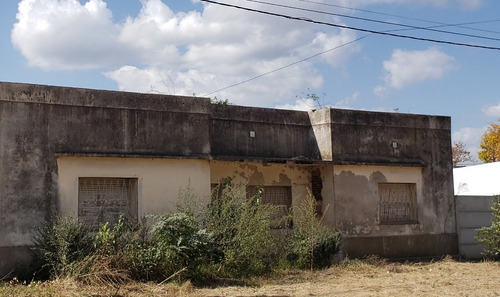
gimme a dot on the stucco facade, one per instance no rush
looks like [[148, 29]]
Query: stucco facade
[[386, 178]]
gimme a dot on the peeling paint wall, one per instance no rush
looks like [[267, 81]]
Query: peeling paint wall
[[298, 177], [47, 132], [357, 200], [39, 122]]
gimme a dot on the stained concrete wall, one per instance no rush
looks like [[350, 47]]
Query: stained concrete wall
[[357, 201], [39, 122], [473, 212], [356, 215], [420, 140], [279, 134], [298, 177], [418, 145]]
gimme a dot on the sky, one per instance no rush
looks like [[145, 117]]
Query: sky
[[294, 54]]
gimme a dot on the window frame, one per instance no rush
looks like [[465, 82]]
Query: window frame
[[397, 206], [129, 187], [284, 208]]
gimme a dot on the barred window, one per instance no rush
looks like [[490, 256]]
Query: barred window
[[281, 196], [104, 199], [398, 203]]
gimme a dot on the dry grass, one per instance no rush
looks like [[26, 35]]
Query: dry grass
[[372, 277]]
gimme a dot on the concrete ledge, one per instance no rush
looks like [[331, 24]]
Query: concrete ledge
[[405, 246], [16, 262]]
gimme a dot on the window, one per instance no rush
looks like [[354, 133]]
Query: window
[[103, 200], [398, 203], [280, 196]]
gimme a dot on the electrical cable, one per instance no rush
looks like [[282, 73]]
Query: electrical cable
[[458, 25], [286, 66], [374, 21], [354, 28]]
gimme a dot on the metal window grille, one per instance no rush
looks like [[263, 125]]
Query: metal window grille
[[281, 196], [103, 200], [398, 203]]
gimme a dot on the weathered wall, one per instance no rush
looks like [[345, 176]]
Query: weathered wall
[[321, 125], [160, 180], [400, 141], [279, 134], [367, 138], [37, 122], [473, 212], [298, 177], [400, 148], [357, 201]]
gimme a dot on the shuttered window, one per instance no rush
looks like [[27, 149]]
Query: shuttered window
[[398, 203], [102, 199], [281, 196]]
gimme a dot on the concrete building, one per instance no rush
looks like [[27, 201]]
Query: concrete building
[[385, 177]]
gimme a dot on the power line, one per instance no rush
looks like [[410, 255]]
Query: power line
[[286, 66], [440, 24], [373, 20], [353, 28]]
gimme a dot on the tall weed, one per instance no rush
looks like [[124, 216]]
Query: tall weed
[[313, 243], [61, 242], [242, 226]]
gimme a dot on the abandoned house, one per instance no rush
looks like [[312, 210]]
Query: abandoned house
[[386, 178]]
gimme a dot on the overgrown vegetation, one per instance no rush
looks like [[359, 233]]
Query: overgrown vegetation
[[233, 236], [490, 236], [61, 242], [313, 242]]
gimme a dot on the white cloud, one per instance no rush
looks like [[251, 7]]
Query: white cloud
[[303, 104], [184, 52], [344, 103], [462, 4], [64, 34], [409, 67], [492, 111], [471, 137]]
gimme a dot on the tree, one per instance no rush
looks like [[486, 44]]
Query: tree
[[460, 154], [490, 144]]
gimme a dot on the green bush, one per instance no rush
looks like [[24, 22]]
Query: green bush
[[62, 242], [490, 236], [183, 245], [242, 226], [313, 243], [234, 236]]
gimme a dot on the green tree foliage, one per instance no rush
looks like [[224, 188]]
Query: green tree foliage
[[490, 144], [490, 236]]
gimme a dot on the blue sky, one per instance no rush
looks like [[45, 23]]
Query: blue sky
[[191, 47]]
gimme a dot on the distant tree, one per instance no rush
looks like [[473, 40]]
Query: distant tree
[[218, 101], [490, 144], [460, 154]]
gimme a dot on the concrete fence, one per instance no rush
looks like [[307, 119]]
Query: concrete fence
[[473, 212]]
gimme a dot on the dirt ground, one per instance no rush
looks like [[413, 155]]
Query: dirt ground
[[352, 278]]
